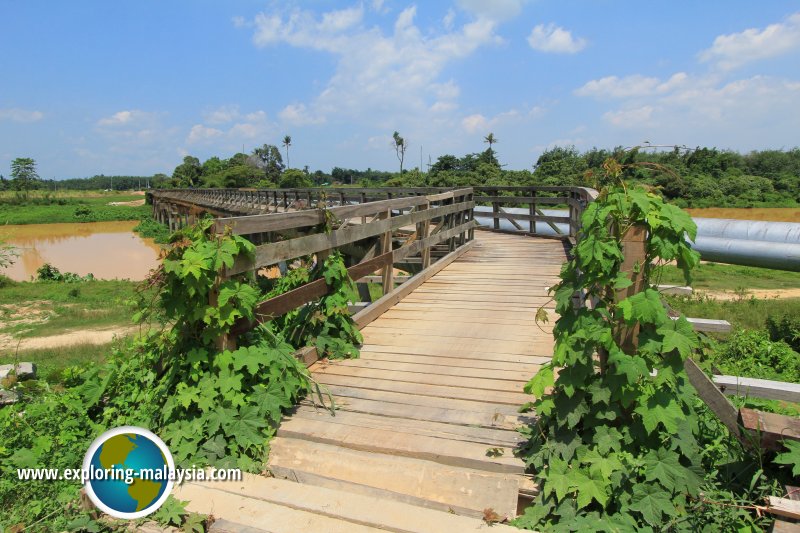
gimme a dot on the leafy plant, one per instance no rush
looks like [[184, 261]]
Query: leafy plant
[[752, 354], [615, 443], [785, 328], [48, 272], [327, 323]]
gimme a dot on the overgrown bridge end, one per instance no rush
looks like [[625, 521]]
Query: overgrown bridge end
[[426, 417]]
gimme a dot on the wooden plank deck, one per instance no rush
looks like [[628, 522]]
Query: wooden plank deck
[[437, 386]]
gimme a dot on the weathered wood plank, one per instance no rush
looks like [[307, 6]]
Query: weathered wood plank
[[447, 486], [442, 451], [758, 388]]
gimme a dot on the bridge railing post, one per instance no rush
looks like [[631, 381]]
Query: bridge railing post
[[387, 275]]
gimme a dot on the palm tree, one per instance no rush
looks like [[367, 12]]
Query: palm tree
[[400, 148], [287, 142], [491, 139]]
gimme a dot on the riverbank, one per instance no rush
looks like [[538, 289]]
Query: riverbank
[[47, 207]]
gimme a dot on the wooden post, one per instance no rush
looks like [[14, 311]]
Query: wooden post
[[496, 210], [386, 246], [423, 230], [532, 212], [634, 249]]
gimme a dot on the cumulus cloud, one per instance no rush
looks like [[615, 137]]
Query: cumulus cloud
[[636, 117], [737, 49], [127, 118], [555, 39], [629, 86], [498, 10], [299, 115], [381, 77], [16, 114], [227, 128]]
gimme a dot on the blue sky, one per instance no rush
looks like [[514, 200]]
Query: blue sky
[[130, 87]]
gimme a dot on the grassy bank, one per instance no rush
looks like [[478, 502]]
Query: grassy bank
[[719, 277], [45, 207], [745, 313], [37, 309]]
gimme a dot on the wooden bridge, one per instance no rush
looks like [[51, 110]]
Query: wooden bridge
[[424, 429]]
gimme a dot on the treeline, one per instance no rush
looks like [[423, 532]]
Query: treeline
[[700, 177]]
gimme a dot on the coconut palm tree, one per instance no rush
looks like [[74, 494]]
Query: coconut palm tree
[[287, 142]]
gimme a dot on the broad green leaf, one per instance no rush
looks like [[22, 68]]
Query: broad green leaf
[[653, 502]]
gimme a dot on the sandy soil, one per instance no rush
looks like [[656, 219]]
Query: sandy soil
[[761, 294], [132, 203], [85, 336]]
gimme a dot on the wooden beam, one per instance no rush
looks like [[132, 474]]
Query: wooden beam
[[708, 325], [769, 428], [715, 400], [758, 388], [784, 507], [382, 305], [271, 253], [283, 303]]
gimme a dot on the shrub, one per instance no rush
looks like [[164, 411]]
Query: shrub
[[785, 328], [754, 354]]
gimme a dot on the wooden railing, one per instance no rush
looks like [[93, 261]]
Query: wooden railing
[[430, 230], [573, 199], [500, 198]]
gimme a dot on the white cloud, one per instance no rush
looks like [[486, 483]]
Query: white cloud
[[298, 115], [128, 118], [497, 10], [637, 117], [555, 39], [448, 19], [630, 86], [226, 128], [381, 78], [475, 123], [737, 49], [200, 133], [16, 114], [222, 115]]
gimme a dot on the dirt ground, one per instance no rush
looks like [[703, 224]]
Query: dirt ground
[[132, 203], [761, 294], [83, 336]]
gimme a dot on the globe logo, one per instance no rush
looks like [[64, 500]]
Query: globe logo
[[130, 472]]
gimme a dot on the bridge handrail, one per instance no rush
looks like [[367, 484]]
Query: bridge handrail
[[442, 218], [250, 200]]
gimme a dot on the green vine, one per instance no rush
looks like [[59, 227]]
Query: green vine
[[615, 445]]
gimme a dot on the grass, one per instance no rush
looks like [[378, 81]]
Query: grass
[[745, 313], [34, 309], [51, 362], [716, 276], [47, 207]]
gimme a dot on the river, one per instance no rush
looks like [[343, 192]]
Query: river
[[108, 250]]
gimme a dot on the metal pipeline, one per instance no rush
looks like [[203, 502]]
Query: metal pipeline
[[736, 242]]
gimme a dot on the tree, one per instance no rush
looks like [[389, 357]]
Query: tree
[[400, 146], [268, 158], [23, 174], [287, 142], [294, 179], [491, 139], [187, 174]]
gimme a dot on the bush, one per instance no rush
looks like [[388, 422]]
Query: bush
[[753, 354], [785, 328], [48, 272]]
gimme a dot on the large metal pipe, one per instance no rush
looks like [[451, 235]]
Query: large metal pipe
[[737, 242]]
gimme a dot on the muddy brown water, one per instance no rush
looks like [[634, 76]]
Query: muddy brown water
[[108, 250]]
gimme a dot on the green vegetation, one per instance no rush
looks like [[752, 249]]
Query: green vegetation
[[36, 309], [44, 207], [720, 277], [622, 442], [213, 406], [150, 229], [745, 313]]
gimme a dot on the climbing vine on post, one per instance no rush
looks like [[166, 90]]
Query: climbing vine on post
[[615, 445]]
